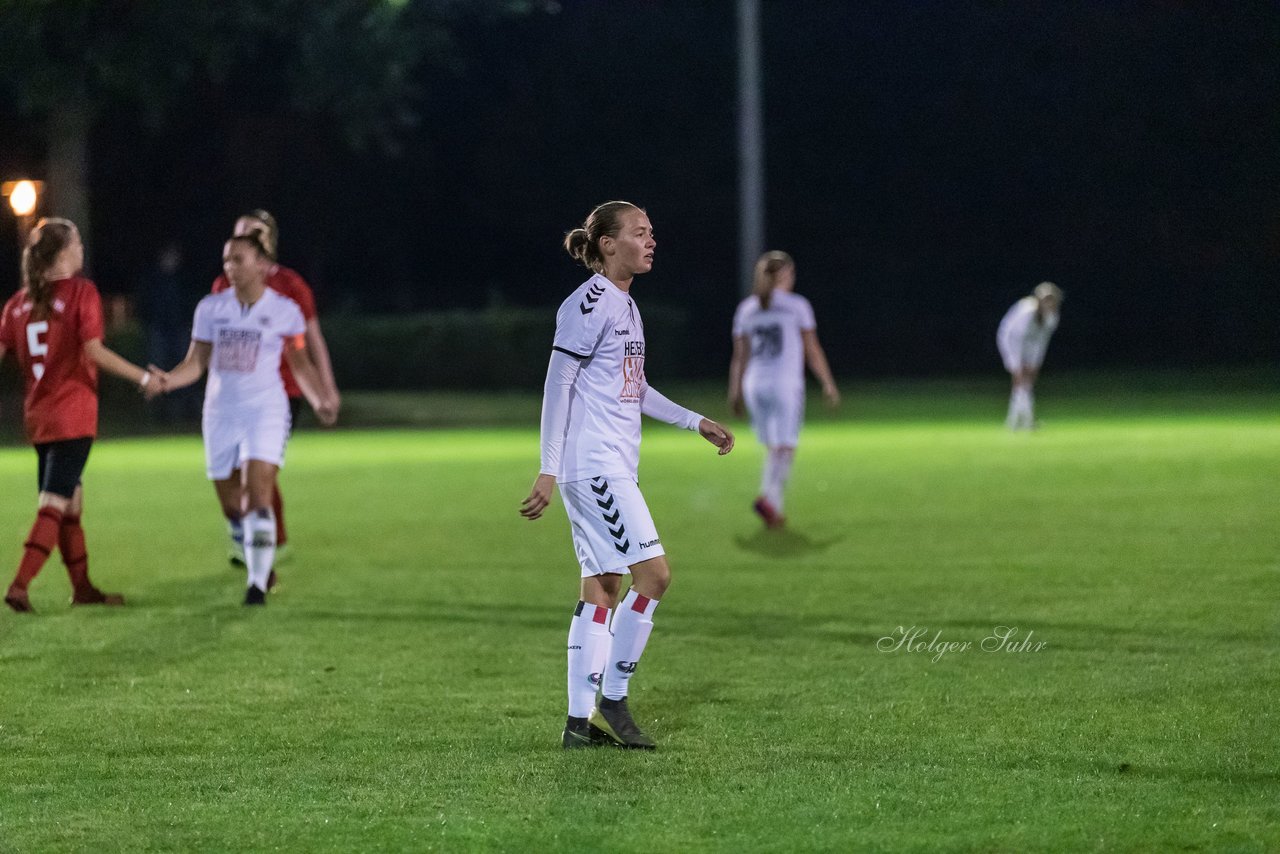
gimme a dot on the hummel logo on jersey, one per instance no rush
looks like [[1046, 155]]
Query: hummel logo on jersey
[[591, 298], [265, 321], [655, 541], [622, 332], [626, 666]]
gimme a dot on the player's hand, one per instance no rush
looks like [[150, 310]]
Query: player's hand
[[735, 404], [156, 385], [716, 434], [539, 497], [831, 395], [327, 412]]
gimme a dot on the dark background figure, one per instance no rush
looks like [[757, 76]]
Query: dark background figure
[[164, 305]]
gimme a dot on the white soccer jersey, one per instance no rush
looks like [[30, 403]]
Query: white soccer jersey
[[244, 367], [777, 346], [600, 325], [1021, 339]]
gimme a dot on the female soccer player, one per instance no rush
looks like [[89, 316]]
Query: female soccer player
[[1022, 339], [291, 284], [594, 395], [53, 325], [238, 336], [774, 335]]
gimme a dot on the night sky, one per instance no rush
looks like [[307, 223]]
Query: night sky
[[927, 164]]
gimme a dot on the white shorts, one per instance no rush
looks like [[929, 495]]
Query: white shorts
[[230, 440], [611, 525], [776, 413], [1030, 357]]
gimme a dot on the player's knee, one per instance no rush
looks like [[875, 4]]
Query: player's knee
[[651, 577]]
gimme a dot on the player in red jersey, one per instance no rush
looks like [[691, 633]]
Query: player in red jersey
[[53, 326], [290, 284]]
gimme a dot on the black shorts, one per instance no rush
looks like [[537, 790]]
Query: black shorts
[[60, 465], [295, 408]]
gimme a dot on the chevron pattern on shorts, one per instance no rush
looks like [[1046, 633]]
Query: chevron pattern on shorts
[[605, 500]]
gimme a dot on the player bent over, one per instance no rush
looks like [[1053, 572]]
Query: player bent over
[[594, 396], [1023, 338], [238, 336]]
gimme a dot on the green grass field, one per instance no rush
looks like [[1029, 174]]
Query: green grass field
[[403, 690]]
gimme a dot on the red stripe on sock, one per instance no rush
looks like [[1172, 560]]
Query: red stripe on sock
[[641, 604], [600, 615]]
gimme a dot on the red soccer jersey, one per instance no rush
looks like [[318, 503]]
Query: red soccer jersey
[[287, 283], [61, 383]]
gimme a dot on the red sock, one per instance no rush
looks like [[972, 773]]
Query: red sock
[[74, 553], [41, 540], [277, 506]]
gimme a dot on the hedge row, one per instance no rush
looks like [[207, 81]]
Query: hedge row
[[491, 349], [503, 348]]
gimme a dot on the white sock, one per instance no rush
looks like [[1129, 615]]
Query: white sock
[[779, 472], [588, 651], [235, 530], [259, 545], [1020, 408], [766, 476], [1029, 407], [632, 623]]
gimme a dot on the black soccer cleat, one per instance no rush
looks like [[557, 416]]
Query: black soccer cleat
[[255, 596], [93, 596], [16, 598], [579, 732], [613, 718]]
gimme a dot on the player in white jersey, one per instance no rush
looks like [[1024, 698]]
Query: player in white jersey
[[238, 335], [774, 335], [1022, 339], [594, 396]]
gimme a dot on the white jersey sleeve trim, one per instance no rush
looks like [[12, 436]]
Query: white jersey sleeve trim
[[201, 325], [562, 371], [659, 406]]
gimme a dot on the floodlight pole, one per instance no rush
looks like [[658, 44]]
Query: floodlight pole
[[750, 144]]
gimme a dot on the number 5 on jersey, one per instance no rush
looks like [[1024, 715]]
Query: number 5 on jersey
[[37, 348]]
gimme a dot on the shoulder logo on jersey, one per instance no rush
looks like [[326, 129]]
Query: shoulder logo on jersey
[[591, 298], [59, 306], [622, 332]]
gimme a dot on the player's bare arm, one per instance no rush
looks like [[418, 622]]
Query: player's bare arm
[[816, 358], [191, 368], [539, 496], [308, 377], [318, 350], [113, 363], [738, 367]]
